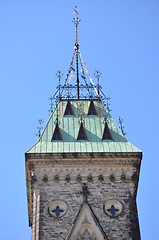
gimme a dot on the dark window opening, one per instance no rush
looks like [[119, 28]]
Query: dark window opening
[[68, 110], [57, 135], [82, 134], [92, 110], [106, 133]]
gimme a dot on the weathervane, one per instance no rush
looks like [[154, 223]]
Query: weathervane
[[97, 75], [40, 121], [76, 21], [121, 126]]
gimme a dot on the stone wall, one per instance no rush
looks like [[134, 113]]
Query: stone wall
[[105, 184]]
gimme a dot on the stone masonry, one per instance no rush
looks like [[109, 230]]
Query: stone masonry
[[112, 178]]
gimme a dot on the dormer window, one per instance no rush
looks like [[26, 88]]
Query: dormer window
[[92, 110], [82, 134], [57, 135], [68, 110], [106, 133]]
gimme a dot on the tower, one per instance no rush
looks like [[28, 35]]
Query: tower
[[82, 174]]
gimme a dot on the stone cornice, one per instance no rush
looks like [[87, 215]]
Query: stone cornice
[[82, 155]]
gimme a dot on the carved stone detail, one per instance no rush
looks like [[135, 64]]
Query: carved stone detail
[[56, 178], [112, 178], [101, 178], [45, 178], [67, 178], [78, 178]]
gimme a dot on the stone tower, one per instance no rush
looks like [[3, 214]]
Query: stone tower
[[82, 174]]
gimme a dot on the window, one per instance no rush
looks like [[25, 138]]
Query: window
[[57, 135], [68, 110], [82, 135], [106, 133], [92, 110]]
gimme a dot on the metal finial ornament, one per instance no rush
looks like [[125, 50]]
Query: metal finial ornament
[[57, 115], [40, 121], [121, 126], [97, 75], [75, 85], [51, 98], [59, 76], [81, 116], [108, 104], [76, 21], [105, 120], [57, 122]]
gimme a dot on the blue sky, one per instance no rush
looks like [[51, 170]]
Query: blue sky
[[121, 39]]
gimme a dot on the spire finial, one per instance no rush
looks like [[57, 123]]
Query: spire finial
[[51, 98], [76, 22], [121, 126], [59, 76], [40, 121], [108, 104], [97, 75]]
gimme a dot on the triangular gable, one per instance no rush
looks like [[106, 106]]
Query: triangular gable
[[82, 134], [106, 133], [92, 110], [68, 110], [86, 225], [56, 135]]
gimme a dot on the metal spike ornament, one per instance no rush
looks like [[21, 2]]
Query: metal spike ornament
[[51, 98], [57, 117], [81, 116], [97, 75], [108, 104], [121, 126], [40, 121], [105, 120], [76, 21], [59, 76]]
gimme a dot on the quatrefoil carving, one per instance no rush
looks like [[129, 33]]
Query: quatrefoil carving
[[57, 208]]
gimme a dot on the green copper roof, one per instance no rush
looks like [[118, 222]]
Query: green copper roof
[[69, 128]]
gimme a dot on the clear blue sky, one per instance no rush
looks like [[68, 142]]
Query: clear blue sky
[[121, 38]]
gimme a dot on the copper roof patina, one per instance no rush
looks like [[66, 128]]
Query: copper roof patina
[[69, 126]]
